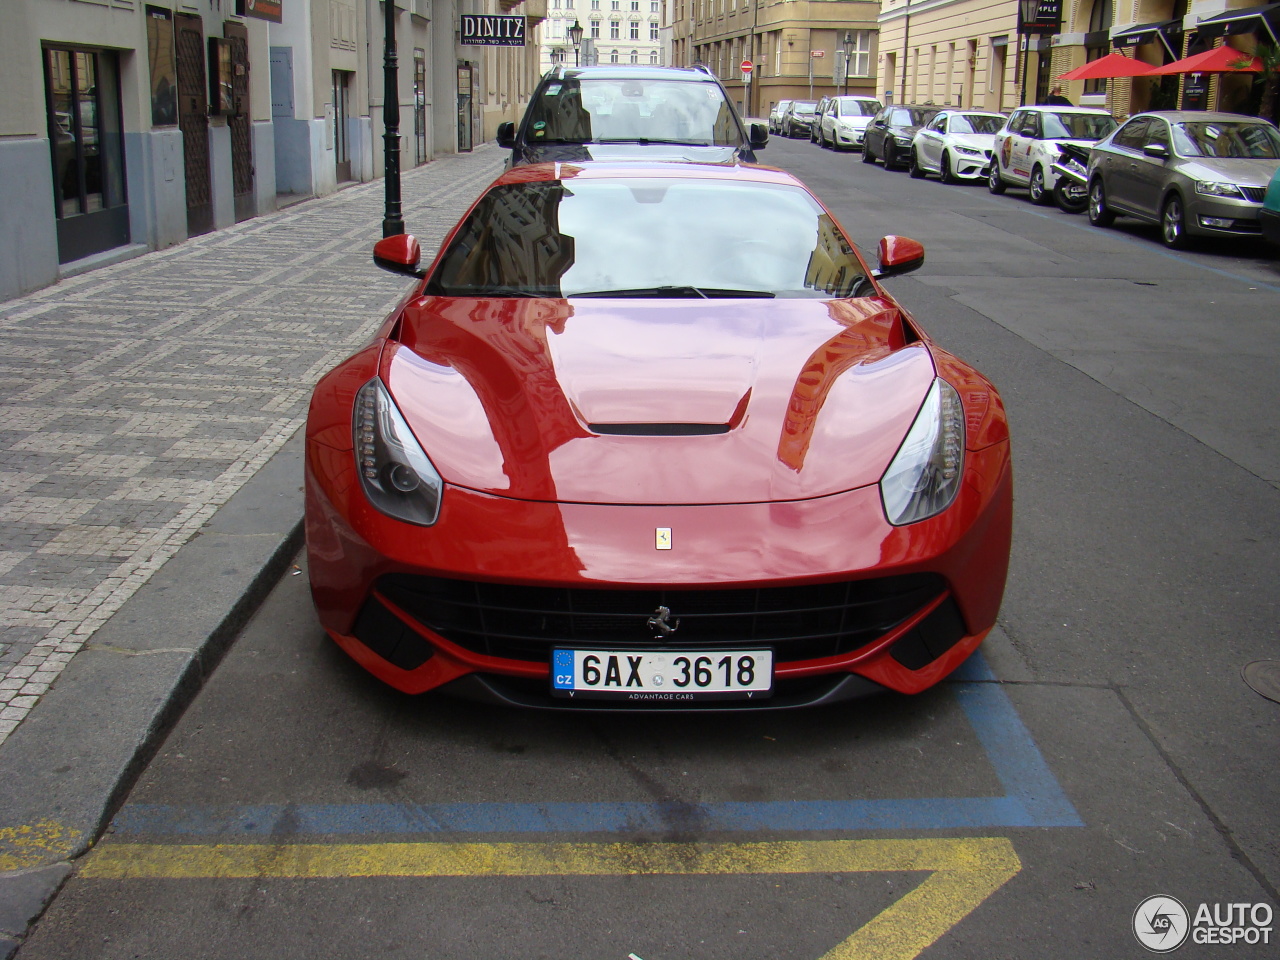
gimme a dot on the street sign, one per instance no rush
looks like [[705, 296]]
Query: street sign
[[745, 66], [817, 54]]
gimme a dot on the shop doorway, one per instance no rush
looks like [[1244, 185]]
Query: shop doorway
[[420, 105], [240, 120], [193, 121], [341, 136], [464, 107], [82, 97]]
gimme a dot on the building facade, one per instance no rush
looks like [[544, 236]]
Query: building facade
[[796, 48], [131, 125], [969, 52]]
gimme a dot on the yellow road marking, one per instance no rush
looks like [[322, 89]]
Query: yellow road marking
[[34, 845], [963, 872]]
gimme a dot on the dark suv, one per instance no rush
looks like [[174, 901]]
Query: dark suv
[[623, 112]]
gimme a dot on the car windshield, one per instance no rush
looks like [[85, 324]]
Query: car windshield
[[850, 107], [804, 108], [974, 123], [575, 110], [1077, 126], [1217, 139], [649, 237], [911, 116]]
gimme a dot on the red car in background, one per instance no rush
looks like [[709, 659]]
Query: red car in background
[[616, 451]]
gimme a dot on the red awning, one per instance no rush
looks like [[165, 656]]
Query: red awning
[[1217, 60], [1112, 65]]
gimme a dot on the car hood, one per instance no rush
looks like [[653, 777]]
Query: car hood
[[1243, 170], [657, 401], [855, 122], [905, 131], [578, 152], [978, 141]]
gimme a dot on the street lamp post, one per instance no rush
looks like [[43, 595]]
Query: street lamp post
[[848, 49], [575, 37], [1027, 10], [392, 221]]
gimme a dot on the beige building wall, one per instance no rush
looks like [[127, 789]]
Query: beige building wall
[[780, 38], [957, 53]]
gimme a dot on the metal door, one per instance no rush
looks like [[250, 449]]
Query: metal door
[[341, 109], [420, 104], [464, 107], [193, 121], [240, 120]]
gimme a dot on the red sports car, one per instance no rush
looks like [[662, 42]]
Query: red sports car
[[654, 436]]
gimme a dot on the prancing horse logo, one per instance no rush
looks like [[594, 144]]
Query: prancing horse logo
[[661, 623]]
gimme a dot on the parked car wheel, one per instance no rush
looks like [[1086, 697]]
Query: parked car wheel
[[994, 183], [913, 166], [945, 174], [867, 155], [890, 156], [1099, 215], [1035, 186], [1173, 226]]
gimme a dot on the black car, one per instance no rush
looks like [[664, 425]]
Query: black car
[[798, 119], [626, 112], [891, 131]]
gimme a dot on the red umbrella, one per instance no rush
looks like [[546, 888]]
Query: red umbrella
[[1217, 60], [1104, 68]]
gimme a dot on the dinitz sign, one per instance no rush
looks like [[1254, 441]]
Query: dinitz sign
[[492, 31]]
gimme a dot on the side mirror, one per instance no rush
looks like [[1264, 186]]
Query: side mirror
[[899, 255], [507, 135], [758, 134], [1157, 150], [399, 254]]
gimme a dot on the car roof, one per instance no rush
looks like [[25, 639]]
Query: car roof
[[618, 71], [1051, 108], [1180, 116], [650, 169]]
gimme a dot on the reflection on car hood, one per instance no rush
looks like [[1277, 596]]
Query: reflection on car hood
[[657, 401], [1243, 170], [578, 152], [978, 141]]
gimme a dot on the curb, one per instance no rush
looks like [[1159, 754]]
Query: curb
[[75, 757]]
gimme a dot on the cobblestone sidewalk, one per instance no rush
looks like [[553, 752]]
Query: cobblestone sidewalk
[[138, 398]]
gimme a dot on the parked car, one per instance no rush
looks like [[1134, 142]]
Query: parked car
[[1028, 146], [624, 447], [614, 111], [1269, 216], [844, 123], [798, 118], [816, 124], [956, 145], [775, 115], [891, 132], [1194, 173]]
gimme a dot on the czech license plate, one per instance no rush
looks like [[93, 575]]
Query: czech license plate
[[662, 676]]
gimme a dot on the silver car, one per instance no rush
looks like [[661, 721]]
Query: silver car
[[1191, 172]]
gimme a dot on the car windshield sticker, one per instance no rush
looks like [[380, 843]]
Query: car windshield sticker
[[553, 90]]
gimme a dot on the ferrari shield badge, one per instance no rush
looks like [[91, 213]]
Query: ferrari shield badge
[[663, 538]]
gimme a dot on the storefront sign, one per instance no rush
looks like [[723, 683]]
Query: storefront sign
[[492, 31], [272, 10], [1048, 18]]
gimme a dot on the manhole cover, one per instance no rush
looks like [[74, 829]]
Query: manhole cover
[[1263, 677]]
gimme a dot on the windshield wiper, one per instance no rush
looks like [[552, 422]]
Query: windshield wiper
[[674, 292]]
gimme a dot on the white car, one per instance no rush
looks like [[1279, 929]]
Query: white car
[[775, 115], [956, 145], [844, 122], [1027, 147]]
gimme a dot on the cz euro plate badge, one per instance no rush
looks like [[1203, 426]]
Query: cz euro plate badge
[[662, 676]]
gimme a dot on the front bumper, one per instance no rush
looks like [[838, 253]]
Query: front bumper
[[849, 138], [1222, 216], [969, 167], [353, 549]]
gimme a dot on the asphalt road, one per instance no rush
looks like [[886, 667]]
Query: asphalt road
[[1102, 750]]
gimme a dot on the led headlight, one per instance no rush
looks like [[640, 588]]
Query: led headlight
[[1213, 189], [924, 475], [902, 141], [968, 151], [396, 475]]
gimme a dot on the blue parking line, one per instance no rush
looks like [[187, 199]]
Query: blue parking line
[[1033, 798]]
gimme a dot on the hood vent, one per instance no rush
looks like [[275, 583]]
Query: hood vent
[[659, 429]]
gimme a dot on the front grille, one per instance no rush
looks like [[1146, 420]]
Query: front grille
[[524, 623], [1254, 194]]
